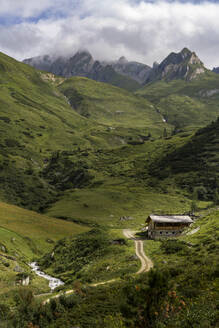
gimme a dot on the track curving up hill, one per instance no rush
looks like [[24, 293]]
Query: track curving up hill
[[146, 263]]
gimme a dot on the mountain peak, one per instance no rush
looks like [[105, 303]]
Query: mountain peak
[[186, 52], [122, 60], [83, 54], [184, 65]]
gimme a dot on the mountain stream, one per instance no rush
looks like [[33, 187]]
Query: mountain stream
[[53, 282]]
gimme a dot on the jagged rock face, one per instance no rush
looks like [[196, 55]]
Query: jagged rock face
[[135, 70], [80, 64], [216, 70], [40, 62], [184, 65], [83, 64]]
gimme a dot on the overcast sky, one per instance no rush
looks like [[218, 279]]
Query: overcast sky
[[145, 31]]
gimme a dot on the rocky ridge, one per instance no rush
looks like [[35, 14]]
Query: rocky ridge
[[83, 64], [183, 65], [133, 69]]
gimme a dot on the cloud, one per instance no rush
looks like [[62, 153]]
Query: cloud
[[33, 8], [140, 30]]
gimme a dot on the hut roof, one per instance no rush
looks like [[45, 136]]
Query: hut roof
[[170, 218]]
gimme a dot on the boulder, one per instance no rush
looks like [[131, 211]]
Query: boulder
[[3, 249], [18, 269]]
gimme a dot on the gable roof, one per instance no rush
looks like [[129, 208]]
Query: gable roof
[[170, 218]]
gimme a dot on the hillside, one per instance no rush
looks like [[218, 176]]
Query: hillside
[[194, 166], [181, 291], [36, 121], [185, 105], [25, 235], [111, 106], [120, 182], [62, 157]]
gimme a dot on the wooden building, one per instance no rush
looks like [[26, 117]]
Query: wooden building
[[167, 225]]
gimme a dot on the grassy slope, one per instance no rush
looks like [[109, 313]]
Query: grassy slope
[[185, 104], [36, 120], [110, 76], [111, 106], [137, 180], [25, 235], [121, 186], [195, 164], [188, 266], [192, 261], [33, 107]]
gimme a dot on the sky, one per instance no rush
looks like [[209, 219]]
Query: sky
[[145, 31]]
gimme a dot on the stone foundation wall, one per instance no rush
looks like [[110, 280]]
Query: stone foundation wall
[[156, 234]]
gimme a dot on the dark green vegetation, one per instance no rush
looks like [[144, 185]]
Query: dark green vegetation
[[118, 184], [91, 153], [88, 257], [195, 165]]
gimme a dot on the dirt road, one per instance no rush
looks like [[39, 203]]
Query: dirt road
[[146, 263]]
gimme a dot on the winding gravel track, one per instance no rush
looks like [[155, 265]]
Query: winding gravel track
[[146, 263]]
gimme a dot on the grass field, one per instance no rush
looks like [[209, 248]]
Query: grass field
[[38, 228], [105, 205]]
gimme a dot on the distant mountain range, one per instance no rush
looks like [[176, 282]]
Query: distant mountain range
[[216, 70], [83, 64], [130, 75], [124, 74]]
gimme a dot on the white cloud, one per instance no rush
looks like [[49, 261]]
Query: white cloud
[[144, 31]]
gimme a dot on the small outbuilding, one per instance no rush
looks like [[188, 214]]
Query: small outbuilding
[[167, 225]]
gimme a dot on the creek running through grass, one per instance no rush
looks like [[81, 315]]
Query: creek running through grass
[[53, 282]]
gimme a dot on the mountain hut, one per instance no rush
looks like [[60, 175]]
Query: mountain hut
[[167, 225]]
